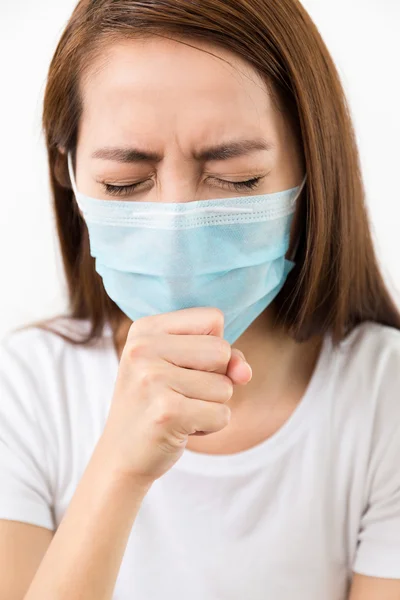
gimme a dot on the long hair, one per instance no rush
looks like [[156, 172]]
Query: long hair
[[336, 283]]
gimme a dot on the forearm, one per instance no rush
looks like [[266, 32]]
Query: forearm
[[85, 555]]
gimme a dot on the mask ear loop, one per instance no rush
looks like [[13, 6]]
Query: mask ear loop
[[72, 179], [293, 204]]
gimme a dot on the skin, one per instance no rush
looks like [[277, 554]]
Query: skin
[[173, 99]]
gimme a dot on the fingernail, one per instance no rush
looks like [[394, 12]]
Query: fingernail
[[241, 354], [245, 361], [251, 370]]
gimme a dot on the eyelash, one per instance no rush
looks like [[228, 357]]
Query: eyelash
[[124, 190]]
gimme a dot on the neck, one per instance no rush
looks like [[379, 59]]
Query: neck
[[281, 367]]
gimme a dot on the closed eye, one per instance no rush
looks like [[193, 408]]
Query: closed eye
[[125, 190]]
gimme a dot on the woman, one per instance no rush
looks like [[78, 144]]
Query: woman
[[208, 195]]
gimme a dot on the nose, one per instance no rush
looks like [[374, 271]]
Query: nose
[[175, 191], [178, 182]]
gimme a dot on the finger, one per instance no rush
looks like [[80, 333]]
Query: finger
[[198, 320], [200, 415], [239, 371], [212, 387], [200, 352]]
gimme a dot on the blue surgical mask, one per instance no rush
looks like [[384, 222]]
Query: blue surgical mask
[[159, 257]]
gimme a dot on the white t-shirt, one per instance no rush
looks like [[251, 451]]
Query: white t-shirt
[[288, 519]]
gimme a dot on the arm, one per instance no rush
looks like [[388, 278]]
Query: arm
[[84, 557], [374, 588], [22, 547], [376, 564]]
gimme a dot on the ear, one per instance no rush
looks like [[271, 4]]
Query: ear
[[60, 168]]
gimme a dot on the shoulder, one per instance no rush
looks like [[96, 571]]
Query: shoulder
[[370, 339], [370, 355], [47, 380], [366, 383], [35, 343], [50, 335], [42, 358]]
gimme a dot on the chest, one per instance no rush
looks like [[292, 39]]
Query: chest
[[275, 533], [246, 429]]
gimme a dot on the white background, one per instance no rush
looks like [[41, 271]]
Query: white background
[[361, 35]]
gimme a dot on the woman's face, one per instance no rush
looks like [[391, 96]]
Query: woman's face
[[166, 122]]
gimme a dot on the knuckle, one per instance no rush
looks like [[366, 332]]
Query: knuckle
[[218, 316], [226, 413], [223, 350], [137, 346], [149, 374], [138, 326], [134, 329], [228, 387], [222, 415], [161, 412], [165, 410]]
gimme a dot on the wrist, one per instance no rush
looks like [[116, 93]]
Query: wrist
[[116, 475]]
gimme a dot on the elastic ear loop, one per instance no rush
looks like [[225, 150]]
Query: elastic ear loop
[[294, 202], [72, 178]]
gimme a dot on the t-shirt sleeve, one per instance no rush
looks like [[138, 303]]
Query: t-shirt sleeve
[[378, 552], [25, 487]]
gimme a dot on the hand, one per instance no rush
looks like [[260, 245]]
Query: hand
[[175, 375]]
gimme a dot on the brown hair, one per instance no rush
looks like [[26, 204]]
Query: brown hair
[[336, 282]]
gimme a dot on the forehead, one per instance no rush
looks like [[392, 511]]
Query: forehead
[[161, 85]]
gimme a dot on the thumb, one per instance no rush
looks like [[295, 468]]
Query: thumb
[[239, 371]]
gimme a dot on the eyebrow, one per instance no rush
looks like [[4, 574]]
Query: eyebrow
[[211, 153]]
